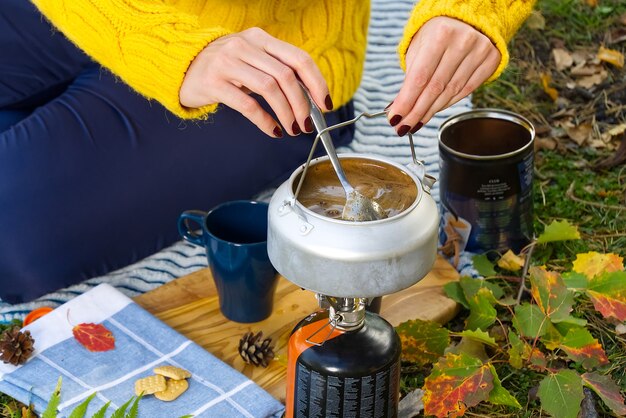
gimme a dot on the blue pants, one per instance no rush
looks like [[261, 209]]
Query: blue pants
[[93, 176]]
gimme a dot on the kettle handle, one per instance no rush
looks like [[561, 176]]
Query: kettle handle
[[418, 167]]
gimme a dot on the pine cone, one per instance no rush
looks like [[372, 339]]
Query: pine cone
[[15, 346], [254, 351]]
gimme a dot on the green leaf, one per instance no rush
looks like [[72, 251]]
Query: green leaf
[[81, 410], [499, 395], [134, 408], [561, 394], [607, 390], [575, 281], [559, 231], [422, 341], [53, 402], [471, 286], [482, 313], [455, 292], [479, 336], [483, 266], [121, 411], [581, 347], [608, 294], [457, 382], [516, 350], [529, 321], [553, 337], [552, 296], [102, 411]]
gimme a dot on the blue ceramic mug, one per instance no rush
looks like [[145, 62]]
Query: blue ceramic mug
[[234, 235]]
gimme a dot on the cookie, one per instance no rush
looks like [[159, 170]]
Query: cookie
[[174, 389], [149, 385], [172, 372]]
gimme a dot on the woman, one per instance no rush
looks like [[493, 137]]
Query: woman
[[96, 167]]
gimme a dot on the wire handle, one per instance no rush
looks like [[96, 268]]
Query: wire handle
[[367, 115]]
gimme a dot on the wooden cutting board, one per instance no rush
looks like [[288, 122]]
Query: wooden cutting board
[[190, 305]]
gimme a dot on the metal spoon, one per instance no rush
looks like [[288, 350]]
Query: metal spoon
[[358, 208]]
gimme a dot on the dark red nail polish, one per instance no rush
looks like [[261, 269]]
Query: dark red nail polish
[[389, 105], [278, 133], [403, 130], [295, 128], [395, 120], [417, 127], [328, 102], [308, 124]]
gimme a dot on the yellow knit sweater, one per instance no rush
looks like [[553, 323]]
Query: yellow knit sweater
[[150, 43]]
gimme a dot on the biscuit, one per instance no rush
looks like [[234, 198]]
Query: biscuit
[[149, 385], [172, 372], [175, 388]]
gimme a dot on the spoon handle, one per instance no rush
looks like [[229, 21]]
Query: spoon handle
[[320, 124]]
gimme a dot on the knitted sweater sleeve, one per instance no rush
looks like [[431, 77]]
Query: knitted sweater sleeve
[[147, 44], [496, 19]]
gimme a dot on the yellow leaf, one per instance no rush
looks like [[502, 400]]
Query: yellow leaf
[[546, 79], [511, 262], [592, 3], [592, 263], [611, 56]]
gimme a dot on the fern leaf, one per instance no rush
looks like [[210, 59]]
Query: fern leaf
[[81, 409], [134, 408], [121, 411], [53, 402], [102, 411]]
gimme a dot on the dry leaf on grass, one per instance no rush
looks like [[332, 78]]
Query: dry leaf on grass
[[592, 80], [611, 56], [545, 143], [613, 132], [546, 79], [562, 58], [581, 133]]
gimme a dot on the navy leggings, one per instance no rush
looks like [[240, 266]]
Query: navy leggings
[[93, 176]]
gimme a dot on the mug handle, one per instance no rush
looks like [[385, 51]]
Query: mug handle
[[189, 235]]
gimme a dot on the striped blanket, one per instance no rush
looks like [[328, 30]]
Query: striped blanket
[[381, 82]]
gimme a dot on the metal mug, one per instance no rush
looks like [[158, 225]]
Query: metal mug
[[486, 176]]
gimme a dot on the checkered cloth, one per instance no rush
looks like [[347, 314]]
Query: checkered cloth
[[142, 342]]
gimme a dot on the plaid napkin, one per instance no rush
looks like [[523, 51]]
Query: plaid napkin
[[142, 343]]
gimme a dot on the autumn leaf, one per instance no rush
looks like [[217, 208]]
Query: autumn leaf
[[608, 294], [562, 58], [422, 341], [592, 263], [581, 347], [561, 394], [499, 395], [552, 337], [456, 383], [94, 337], [511, 262], [558, 231], [607, 390], [611, 56], [471, 286], [546, 79], [552, 296], [529, 321]]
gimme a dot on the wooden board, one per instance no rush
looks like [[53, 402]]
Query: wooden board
[[190, 306]]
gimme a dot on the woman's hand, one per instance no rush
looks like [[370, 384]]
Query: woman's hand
[[231, 67], [446, 60]]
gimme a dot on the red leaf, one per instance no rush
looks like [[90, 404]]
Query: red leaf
[[607, 390], [94, 337]]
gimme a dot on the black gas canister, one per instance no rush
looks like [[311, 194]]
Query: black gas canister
[[343, 364]]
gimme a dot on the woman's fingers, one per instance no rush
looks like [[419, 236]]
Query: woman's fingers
[[296, 59], [254, 61], [245, 104], [445, 60]]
